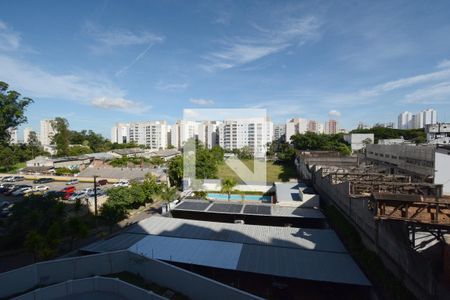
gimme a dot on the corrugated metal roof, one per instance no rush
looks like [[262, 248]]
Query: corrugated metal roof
[[305, 238], [199, 252], [118, 242]]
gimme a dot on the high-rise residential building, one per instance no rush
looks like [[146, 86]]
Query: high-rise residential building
[[208, 133], [429, 117], [152, 134], [120, 133], [331, 127], [294, 126], [362, 125], [254, 133], [320, 128], [405, 120], [279, 131], [26, 134], [182, 131], [13, 136], [47, 132]]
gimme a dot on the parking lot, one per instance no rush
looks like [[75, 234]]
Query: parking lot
[[53, 186]]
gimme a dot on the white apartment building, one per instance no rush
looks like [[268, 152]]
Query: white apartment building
[[183, 131], [152, 134], [208, 133], [26, 134], [13, 136], [279, 131], [294, 126], [254, 133], [405, 120], [47, 132], [120, 133]]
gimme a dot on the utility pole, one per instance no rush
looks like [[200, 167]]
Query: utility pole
[[95, 194]]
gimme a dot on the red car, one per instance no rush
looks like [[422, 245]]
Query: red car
[[69, 189], [67, 196]]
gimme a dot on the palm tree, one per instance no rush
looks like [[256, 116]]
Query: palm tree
[[228, 185]]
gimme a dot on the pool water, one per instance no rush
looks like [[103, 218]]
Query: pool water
[[236, 197]]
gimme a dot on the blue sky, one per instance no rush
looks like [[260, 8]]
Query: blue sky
[[100, 62]]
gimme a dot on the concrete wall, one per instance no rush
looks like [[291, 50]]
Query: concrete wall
[[442, 175], [91, 288], [388, 239], [61, 270]]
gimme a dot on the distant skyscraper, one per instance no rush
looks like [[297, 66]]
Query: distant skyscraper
[[120, 133], [294, 126], [13, 136], [47, 132], [279, 131], [331, 127], [182, 131], [152, 134], [429, 117], [26, 134], [405, 120]]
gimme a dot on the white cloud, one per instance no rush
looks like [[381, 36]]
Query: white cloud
[[9, 39], [171, 87], [444, 64], [121, 37], [334, 113], [118, 103], [242, 50], [34, 81], [200, 101], [437, 93]]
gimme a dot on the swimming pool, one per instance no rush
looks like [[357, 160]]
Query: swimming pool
[[236, 197]]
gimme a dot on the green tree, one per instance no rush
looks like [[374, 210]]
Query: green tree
[[12, 111], [62, 136], [167, 194], [7, 157], [150, 187], [228, 185], [203, 195], [34, 242], [157, 161], [76, 229], [34, 145], [112, 214], [176, 171]]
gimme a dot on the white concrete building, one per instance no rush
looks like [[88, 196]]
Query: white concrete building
[[120, 133], [359, 141], [26, 134], [279, 131], [47, 132], [294, 126], [13, 136], [254, 133], [405, 120], [152, 134], [208, 133], [183, 131]]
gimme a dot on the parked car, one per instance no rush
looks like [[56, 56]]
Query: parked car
[[22, 191], [121, 183], [72, 181], [6, 187], [4, 204], [67, 196], [18, 178], [79, 195], [54, 194], [69, 189], [17, 188], [100, 192], [8, 179], [102, 182], [43, 180], [41, 188]]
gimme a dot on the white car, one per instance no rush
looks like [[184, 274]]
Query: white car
[[121, 183], [21, 191], [41, 188], [72, 181]]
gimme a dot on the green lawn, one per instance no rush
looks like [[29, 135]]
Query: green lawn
[[274, 171], [14, 168]]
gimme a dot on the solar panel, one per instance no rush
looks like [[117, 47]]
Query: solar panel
[[200, 205], [226, 208], [257, 209]]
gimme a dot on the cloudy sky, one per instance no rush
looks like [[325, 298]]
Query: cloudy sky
[[100, 62]]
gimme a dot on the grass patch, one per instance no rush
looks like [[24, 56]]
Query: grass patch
[[274, 171], [14, 168], [366, 258]]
